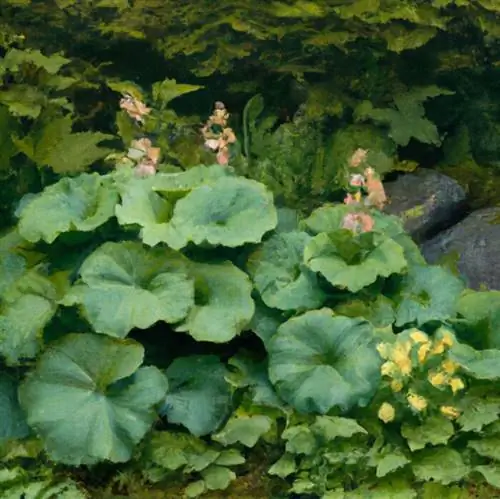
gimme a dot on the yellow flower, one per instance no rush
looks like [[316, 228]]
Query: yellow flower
[[383, 350], [437, 378], [419, 337], [438, 348], [449, 411], [386, 412], [447, 339], [456, 384], [423, 351], [401, 357], [416, 401], [396, 385], [449, 367], [388, 368]]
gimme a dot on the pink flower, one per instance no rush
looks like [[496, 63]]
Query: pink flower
[[134, 107], [358, 222], [145, 169], [223, 156], [212, 144], [357, 180], [358, 157], [349, 199]]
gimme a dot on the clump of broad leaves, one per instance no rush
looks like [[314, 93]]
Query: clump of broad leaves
[[178, 320]]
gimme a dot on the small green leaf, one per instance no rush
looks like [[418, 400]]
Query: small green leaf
[[244, 429], [300, 440], [230, 457], [195, 489], [435, 430], [487, 447], [168, 90], [491, 474], [217, 477], [391, 462], [477, 413], [12, 419], [284, 467], [331, 427], [442, 465]]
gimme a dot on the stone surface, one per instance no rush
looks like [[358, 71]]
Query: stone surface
[[476, 242], [428, 201]]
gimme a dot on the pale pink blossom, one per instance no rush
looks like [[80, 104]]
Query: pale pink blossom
[[145, 169], [134, 107], [357, 180], [358, 157], [358, 222]]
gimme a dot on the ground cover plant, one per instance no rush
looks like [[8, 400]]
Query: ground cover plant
[[160, 329]]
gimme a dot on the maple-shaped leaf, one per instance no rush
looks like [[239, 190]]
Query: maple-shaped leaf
[[407, 119], [55, 145]]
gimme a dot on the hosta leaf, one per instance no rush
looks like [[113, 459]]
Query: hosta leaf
[[186, 181], [199, 397], [23, 318], [230, 212], [284, 466], [244, 429], [325, 254], [435, 430], [12, 419], [82, 204], [318, 361], [223, 303], [142, 206], [89, 400], [280, 276], [428, 294], [60, 149], [441, 465], [126, 285]]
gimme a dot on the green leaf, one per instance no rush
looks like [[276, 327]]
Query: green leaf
[[265, 321], [230, 457], [231, 212], [484, 364], [65, 152], [142, 206], [331, 427], [387, 488], [432, 490], [435, 430], [487, 447], [14, 58], [491, 474], [89, 400], [126, 285], [23, 318], [391, 462], [172, 451], [380, 311], [81, 204], [318, 361], [428, 294], [477, 413], [481, 310], [12, 419], [328, 218], [442, 465], [300, 440], [168, 90], [243, 429], [223, 304], [195, 489], [199, 397], [280, 276], [353, 262], [407, 120], [217, 477], [284, 466]]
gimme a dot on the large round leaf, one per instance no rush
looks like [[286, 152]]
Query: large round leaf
[[280, 275], [142, 206], [12, 419], [428, 293], [199, 397], [126, 285], [318, 361], [230, 212], [223, 303], [89, 400], [354, 262], [82, 203]]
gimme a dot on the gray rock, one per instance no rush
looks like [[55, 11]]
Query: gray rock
[[476, 243], [428, 201]]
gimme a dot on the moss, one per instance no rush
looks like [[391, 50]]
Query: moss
[[482, 184]]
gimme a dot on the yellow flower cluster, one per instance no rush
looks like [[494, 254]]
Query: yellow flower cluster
[[398, 367]]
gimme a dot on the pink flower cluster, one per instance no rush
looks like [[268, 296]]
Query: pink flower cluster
[[217, 134]]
